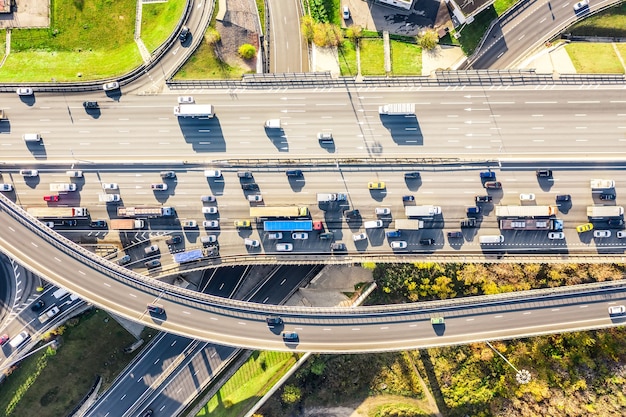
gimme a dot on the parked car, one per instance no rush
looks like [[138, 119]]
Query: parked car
[[166, 175], [493, 184], [359, 236], [455, 235], [601, 233], [113, 85], [376, 185], [24, 91], [209, 210], [488, 175], [159, 187], [110, 186], [29, 172], [300, 236], [607, 197], [90, 104], [151, 249], [584, 227], [393, 233], [556, 235], [152, 263], [208, 199], [544, 173], [407, 198], [563, 197], [398, 244], [8, 187], [483, 199], [527, 197], [275, 235], [186, 100], [211, 224], [345, 13], [382, 211], [174, 240], [98, 224]]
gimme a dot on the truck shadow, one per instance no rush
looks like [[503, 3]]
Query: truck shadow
[[404, 130], [204, 135]]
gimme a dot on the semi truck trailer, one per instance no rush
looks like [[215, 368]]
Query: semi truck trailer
[[63, 187], [57, 212], [599, 212], [288, 226], [531, 224], [422, 211], [127, 224], [194, 110], [145, 211], [526, 211], [408, 224], [397, 109]]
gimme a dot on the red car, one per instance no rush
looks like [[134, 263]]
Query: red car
[[3, 339], [318, 226], [54, 197]]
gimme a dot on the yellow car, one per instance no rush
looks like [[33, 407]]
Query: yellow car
[[376, 185], [584, 227], [242, 223]]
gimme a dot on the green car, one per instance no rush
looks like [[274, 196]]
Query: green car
[[437, 320]]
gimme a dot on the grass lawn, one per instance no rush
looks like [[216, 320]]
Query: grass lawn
[[3, 36], [51, 385], [472, 34], [621, 48], [406, 58], [158, 21], [502, 6], [594, 58], [372, 57], [204, 64], [249, 383], [611, 22], [347, 59], [260, 6]]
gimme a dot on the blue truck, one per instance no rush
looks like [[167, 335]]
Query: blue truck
[[188, 256], [288, 226]]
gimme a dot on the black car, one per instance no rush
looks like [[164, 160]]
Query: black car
[[147, 413], [352, 214], [168, 174], [70, 223], [616, 222], [98, 224], [294, 173], [290, 336], [155, 308], [412, 175], [469, 223], [427, 242], [174, 240], [406, 198], [454, 235], [563, 197], [90, 104], [338, 246], [250, 187], [274, 321], [544, 173], [184, 34], [609, 197], [483, 198], [38, 305]]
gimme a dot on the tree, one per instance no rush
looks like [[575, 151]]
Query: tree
[[308, 28], [291, 394], [354, 33], [247, 51], [212, 36], [428, 40]]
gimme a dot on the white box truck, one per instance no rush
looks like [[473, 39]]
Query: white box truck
[[63, 187], [397, 109], [599, 184], [49, 314], [599, 212], [490, 239], [422, 211], [272, 124], [19, 340]]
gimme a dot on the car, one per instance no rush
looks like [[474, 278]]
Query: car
[[49, 224], [155, 308], [3, 339], [325, 137], [455, 234], [275, 235], [90, 104], [613, 310], [427, 242], [284, 247], [616, 222], [123, 260], [211, 224], [299, 236], [412, 175], [584, 227], [151, 249], [7, 187], [487, 175], [184, 34], [245, 174], [70, 223], [483, 199], [98, 224], [469, 223], [208, 199], [110, 186], [113, 85], [250, 187], [38, 305], [345, 13], [253, 243], [607, 197], [242, 223], [290, 336], [255, 198], [398, 244], [473, 211], [621, 234], [274, 321], [583, 4], [185, 100], [563, 198], [74, 173], [376, 185], [294, 172], [493, 184], [437, 320], [327, 236], [601, 233], [29, 172], [407, 198], [152, 263], [543, 173], [209, 210], [359, 236], [147, 413], [382, 211], [174, 240], [556, 235], [352, 215], [393, 233], [159, 187], [24, 91], [527, 197], [338, 246], [166, 175], [212, 173]]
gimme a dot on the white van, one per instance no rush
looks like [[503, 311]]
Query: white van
[[374, 224], [31, 137], [74, 174], [60, 293], [18, 340], [491, 239]]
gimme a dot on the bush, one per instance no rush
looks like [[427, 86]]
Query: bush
[[291, 394], [428, 40], [247, 51], [212, 36]]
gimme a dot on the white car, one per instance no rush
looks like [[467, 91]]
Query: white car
[[185, 100], [159, 187], [581, 5], [255, 198], [601, 233], [109, 186], [114, 85], [556, 235], [24, 91], [253, 243], [383, 210], [284, 247], [621, 234], [299, 236], [189, 224], [74, 174], [360, 236], [275, 236], [209, 210], [345, 13], [207, 199], [398, 244], [29, 172], [151, 249], [527, 197], [49, 224], [6, 187], [211, 224], [212, 173], [617, 310]]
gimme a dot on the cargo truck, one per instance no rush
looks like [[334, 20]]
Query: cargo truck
[[266, 212], [57, 212], [288, 226], [145, 211], [272, 124], [599, 184], [328, 197], [397, 109], [195, 254], [49, 314], [3, 115], [109, 198], [531, 224], [422, 211], [194, 110], [408, 224], [63, 187], [599, 212], [127, 224], [526, 211]]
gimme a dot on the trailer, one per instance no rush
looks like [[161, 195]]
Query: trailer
[[531, 224], [3, 115], [329, 197], [526, 211], [194, 110], [145, 211], [288, 226], [408, 224], [599, 184], [397, 109], [272, 124], [109, 198], [49, 314], [127, 224], [422, 211], [287, 212], [63, 187], [600, 212], [188, 256], [57, 212]]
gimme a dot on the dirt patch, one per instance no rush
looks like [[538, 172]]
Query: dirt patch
[[363, 409], [233, 37]]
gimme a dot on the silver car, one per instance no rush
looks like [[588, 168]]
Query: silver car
[[360, 236], [113, 85], [24, 91]]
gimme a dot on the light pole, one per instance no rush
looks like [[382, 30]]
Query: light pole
[[522, 376]]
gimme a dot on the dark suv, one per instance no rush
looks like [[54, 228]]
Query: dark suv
[[250, 187], [483, 199], [488, 175], [274, 321], [427, 242], [469, 223], [294, 173], [174, 240], [412, 175], [352, 215], [168, 174], [90, 104], [184, 34], [563, 197], [609, 197], [544, 173]]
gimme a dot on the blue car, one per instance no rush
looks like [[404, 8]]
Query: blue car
[[408, 198], [393, 233], [488, 175]]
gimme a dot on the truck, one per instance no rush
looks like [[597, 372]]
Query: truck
[[328, 197], [49, 314], [127, 224], [266, 212], [408, 224], [109, 198], [531, 224], [526, 211], [272, 124], [57, 212], [3, 115], [288, 226], [599, 212], [63, 187], [599, 184], [397, 109], [195, 254], [422, 211], [145, 211], [194, 110], [60, 293]]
